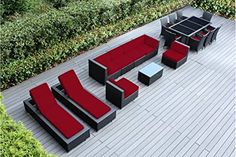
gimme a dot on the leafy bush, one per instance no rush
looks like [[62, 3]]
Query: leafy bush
[[59, 3], [10, 7], [27, 36], [222, 7], [15, 140], [20, 70]]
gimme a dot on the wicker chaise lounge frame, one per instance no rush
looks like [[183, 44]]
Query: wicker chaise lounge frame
[[96, 124], [67, 144], [99, 72], [116, 95]]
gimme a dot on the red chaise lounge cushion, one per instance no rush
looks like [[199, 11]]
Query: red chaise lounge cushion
[[82, 97], [128, 86], [53, 112]]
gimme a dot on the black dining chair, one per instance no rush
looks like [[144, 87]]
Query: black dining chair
[[215, 34], [196, 42], [172, 18], [207, 16], [210, 28], [180, 16], [164, 25], [170, 37], [209, 37]]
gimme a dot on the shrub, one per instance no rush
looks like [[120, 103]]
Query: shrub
[[27, 36], [15, 140], [222, 7], [59, 3], [20, 70], [11, 7]]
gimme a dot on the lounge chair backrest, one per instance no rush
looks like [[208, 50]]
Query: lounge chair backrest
[[55, 114], [81, 96], [70, 83], [43, 98]]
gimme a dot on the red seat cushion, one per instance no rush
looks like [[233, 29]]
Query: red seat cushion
[[111, 60], [53, 112], [210, 28], [145, 49], [196, 38], [173, 56], [134, 55], [179, 47], [82, 97], [128, 86], [203, 33], [177, 36]]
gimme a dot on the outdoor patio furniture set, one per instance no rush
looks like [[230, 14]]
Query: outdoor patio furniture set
[[196, 32], [53, 108]]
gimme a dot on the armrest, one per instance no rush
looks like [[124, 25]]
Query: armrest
[[97, 71], [114, 94]]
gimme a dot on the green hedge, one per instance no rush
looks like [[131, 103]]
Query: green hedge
[[15, 140], [20, 70], [25, 37], [222, 7], [10, 7]]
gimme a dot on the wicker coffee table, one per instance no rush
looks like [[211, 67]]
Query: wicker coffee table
[[150, 73]]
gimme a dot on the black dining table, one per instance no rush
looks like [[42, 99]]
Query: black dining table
[[189, 26]]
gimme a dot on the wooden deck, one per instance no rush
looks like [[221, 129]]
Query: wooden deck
[[188, 112]]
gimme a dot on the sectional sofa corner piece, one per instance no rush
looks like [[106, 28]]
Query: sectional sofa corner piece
[[121, 92]]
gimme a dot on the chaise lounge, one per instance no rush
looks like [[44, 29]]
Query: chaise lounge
[[66, 129], [85, 105], [121, 92], [121, 59]]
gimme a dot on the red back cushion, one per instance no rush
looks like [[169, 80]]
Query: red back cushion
[[83, 98], [151, 42], [70, 83], [103, 58], [54, 113], [179, 47], [134, 43], [116, 54]]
